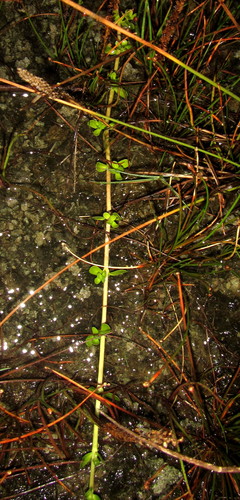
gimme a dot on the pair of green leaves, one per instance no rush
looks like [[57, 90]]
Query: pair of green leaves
[[111, 219], [87, 458], [126, 20], [121, 47], [115, 167], [116, 88], [101, 274], [97, 126], [94, 338]]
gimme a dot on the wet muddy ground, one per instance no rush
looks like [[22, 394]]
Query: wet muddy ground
[[49, 195]]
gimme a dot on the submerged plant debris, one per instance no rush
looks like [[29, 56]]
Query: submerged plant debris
[[127, 133]]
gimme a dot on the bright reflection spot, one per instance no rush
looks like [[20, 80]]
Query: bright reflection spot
[[55, 318], [19, 327], [24, 351], [11, 290], [31, 292], [33, 351], [22, 305]]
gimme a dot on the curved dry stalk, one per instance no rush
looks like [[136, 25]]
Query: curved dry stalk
[[175, 454]]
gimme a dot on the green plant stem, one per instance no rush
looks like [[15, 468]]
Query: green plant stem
[[100, 377], [9, 149]]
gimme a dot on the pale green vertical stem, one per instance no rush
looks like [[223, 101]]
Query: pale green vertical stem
[[105, 288]]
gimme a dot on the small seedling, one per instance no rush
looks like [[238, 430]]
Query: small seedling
[[101, 273], [87, 458], [121, 47], [97, 126], [94, 338], [126, 20], [111, 219], [119, 90], [115, 167]]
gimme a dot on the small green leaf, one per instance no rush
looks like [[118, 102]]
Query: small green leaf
[[94, 84], [118, 176], [106, 215], [89, 495], [97, 125], [113, 218], [95, 341], [108, 48], [113, 75], [118, 272], [110, 218], [89, 340], [101, 167], [97, 459], [91, 388], [126, 19], [121, 92], [98, 217], [105, 328], [116, 165], [116, 216], [95, 270], [93, 123], [121, 47], [110, 395], [124, 163], [95, 330], [86, 459]]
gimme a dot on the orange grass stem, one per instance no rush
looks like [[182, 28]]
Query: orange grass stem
[[181, 300], [44, 428]]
